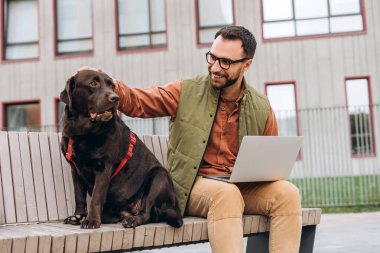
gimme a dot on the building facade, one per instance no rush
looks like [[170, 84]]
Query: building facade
[[317, 60]]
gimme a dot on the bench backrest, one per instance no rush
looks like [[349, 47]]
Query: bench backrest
[[36, 183]]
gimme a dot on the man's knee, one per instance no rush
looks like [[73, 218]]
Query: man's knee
[[287, 199], [228, 202]]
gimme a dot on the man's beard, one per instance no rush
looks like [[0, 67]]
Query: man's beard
[[229, 83]]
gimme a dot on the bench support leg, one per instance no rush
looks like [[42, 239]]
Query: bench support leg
[[260, 242]]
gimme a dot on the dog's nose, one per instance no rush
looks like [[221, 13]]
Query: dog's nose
[[113, 98]]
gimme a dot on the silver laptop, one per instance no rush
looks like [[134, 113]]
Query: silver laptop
[[263, 158]]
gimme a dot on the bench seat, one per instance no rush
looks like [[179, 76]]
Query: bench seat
[[36, 192]]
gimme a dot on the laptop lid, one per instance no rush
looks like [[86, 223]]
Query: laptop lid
[[265, 158]]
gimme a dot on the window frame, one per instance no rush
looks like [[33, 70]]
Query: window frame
[[298, 130], [2, 42], [139, 49], [373, 153], [314, 36], [294, 83], [58, 55], [19, 102], [198, 28]]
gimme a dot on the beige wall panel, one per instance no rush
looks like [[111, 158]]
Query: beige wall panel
[[318, 66]]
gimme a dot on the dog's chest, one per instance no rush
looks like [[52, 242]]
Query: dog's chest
[[91, 156]]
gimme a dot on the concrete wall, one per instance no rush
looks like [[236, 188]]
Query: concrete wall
[[317, 65]]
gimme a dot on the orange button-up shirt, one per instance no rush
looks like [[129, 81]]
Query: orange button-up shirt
[[223, 145]]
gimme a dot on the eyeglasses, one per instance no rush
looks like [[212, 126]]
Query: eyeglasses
[[223, 62]]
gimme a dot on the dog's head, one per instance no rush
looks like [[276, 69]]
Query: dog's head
[[91, 94]]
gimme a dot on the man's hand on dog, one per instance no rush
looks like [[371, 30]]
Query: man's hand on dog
[[99, 69]]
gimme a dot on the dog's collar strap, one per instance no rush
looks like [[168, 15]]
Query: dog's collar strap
[[128, 156], [69, 155]]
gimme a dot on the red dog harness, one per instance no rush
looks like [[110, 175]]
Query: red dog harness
[[127, 157]]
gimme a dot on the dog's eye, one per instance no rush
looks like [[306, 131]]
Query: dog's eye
[[93, 84]]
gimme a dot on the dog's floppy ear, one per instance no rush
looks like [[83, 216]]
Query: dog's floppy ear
[[65, 96]]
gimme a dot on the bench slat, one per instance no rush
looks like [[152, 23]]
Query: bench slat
[[247, 224], [69, 186], [88, 240], [255, 224], [56, 236], [164, 149], [150, 230], [147, 139], [18, 181], [178, 234], [159, 235], [66, 239], [38, 177], [5, 244], [263, 224], [169, 235], [187, 231], [106, 242], [2, 211], [31, 204], [126, 235], [197, 229], [76, 239], [6, 176], [35, 236], [138, 237], [58, 176], [13, 241], [51, 199], [157, 148], [117, 240]]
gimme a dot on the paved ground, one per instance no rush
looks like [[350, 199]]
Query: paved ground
[[337, 233]]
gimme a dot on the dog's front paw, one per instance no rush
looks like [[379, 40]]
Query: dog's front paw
[[75, 219], [129, 222], [132, 221], [89, 223]]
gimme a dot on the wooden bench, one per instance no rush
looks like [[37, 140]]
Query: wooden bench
[[36, 194]]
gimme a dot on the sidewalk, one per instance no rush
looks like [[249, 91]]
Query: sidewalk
[[337, 233], [353, 232]]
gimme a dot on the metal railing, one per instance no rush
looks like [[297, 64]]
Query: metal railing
[[338, 164]]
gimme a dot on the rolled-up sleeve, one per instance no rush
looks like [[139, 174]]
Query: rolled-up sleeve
[[271, 128], [157, 101]]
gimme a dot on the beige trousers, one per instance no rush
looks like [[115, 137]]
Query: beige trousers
[[224, 204]]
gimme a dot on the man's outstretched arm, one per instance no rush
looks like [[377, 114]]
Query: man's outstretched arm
[[149, 102]]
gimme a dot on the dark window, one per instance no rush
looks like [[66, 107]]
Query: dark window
[[22, 116], [141, 24], [293, 18], [360, 116], [74, 26], [20, 29], [213, 15]]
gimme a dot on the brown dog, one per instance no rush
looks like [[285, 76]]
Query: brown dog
[[109, 162]]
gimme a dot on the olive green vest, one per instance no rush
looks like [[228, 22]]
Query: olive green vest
[[189, 131]]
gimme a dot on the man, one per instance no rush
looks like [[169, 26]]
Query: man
[[209, 116]]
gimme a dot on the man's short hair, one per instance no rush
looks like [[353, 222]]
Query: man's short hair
[[241, 33]]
